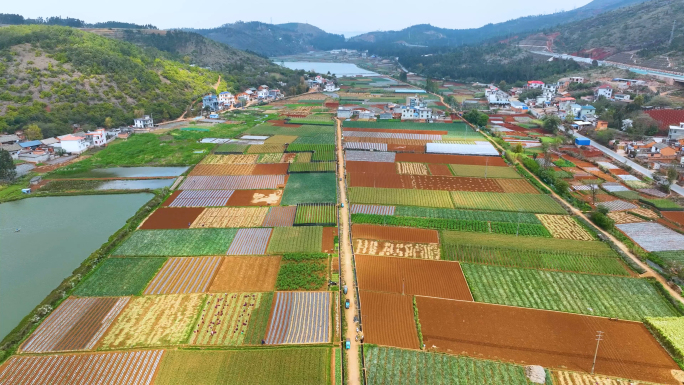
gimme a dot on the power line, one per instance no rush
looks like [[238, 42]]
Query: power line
[[598, 341]]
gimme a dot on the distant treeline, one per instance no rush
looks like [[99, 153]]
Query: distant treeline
[[7, 18]]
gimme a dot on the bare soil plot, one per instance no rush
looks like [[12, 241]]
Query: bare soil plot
[[77, 324], [242, 273], [131, 367], [270, 169], [517, 186], [388, 319], [426, 182], [172, 218], [371, 167], [439, 169], [184, 275], [411, 168], [388, 233], [405, 148], [674, 216], [397, 249], [154, 320], [222, 169], [250, 242], [280, 139], [328, 243], [440, 279], [280, 216], [255, 198], [289, 158], [484, 171], [565, 227], [230, 159], [225, 319], [546, 338], [299, 318], [224, 217], [397, 131], [451, 159]]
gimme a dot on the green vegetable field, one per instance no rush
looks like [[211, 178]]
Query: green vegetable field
[[316, 214], [120, 277], [185, 242], [296, 239], [606, 296], [302, 275], [403, 197], [531, 203], [311, 167], [471, 215], [310, 188]]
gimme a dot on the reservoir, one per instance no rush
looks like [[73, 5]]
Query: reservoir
[[133, 172], [338, 69], [56, 235]]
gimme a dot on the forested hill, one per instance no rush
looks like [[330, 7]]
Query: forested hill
[[57, 76], [428, 35], [273, 39]]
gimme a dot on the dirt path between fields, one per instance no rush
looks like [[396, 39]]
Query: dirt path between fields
[[649, 272], [347, 268]]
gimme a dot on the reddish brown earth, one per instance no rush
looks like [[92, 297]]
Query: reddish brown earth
[[517, 186], [674, 216], [371, 167], [388, 320], [255, 198], [172, 218], [401, 234], [425, 182], [405, 148], [270, 169], [443, 279], [439, 169], [546, 338], [246, 273], [396, 131], [281, 123], [328, 245], [171, 198], [451, 159]]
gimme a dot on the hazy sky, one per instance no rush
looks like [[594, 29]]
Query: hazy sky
[[348, 16]]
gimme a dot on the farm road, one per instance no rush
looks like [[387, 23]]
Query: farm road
[[649, 272], [352, 368]]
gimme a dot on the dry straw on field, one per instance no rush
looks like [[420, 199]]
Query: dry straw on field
[[621, 217], [230, 159], [565, 227], [397, 249], [224, 217], [412, 168]]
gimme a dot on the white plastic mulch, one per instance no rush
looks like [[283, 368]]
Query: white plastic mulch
[[618, 205], [369, 156], [628, 177], [479, 148], [608, 165], [614, 187], [653, 236], [653, 192]]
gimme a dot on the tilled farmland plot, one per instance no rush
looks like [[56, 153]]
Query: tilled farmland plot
[[299, 318], [199, 198], [132, 367], [397, 249], [412, 277], [222, 169], [451, 159], [387, 233], [239, 182], [532, 203], [77, 324], [184, 275], [367, 156], [246, 273], [226, 217], [388, 319], [396, 131], [484, 171], [517, 186], [370, 167], [425, 182], [439, 169], [250, 242], [372, 209], [230, 159], [316, 214], [328, 243], [189, 242], [255, 198], [565, 227], [400, 197], [653, 236], [411, 168], [280, 216], [225, 319], [549, 339], [153, 321], [172, 218]]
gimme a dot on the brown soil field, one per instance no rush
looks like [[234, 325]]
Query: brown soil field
[[388, 320], [405, 148], [239, 273], [335, 265], [451, 159], [281, 123], [517, 186], [407, 142], [172, 218], [439, 169], [255, 198], [546, 338], [618, 171], [440, 279], [270, 169], [387, 233], [371, 167], [674, 216], [328, 245], [171, 198], [288, 157], [280, 139], [222, 169], [397, 249], [425, 182], [398, 131]]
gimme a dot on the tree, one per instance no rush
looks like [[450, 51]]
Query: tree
[[108, 122], [551, 123], [8, 171], [138, 113], [518, 148], [33, 132], [403, 76], [672, 173], [638, 101]]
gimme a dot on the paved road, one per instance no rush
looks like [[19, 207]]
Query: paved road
[[640, 169], [347, 267]]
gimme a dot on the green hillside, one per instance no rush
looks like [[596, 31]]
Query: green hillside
[[57, 76]]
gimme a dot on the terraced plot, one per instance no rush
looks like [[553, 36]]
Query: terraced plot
[[246, 274], [77, 324], [120, 277], [184, 275], [625, 298], [226, 318], [533, 203], [226, 217], [190, 242], [153, 321], [132, 367], [299, 318]]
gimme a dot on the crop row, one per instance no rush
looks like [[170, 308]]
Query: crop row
[[533, 203], [599, 295], [451, 224], [474, 215], [316, 214], [323, 121], [561, 260], [296, 147], [323, 156], [312, 167], [403, 197]]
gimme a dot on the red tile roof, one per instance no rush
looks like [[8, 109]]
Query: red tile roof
[[667, 118]]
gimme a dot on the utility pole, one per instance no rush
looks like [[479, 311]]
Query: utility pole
[[598, 340]]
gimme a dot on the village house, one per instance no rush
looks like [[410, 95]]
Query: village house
[[519, 107], [587, 112], [275, 94], [73, 144], [344, 112], [8, 139], [604, 90], [576, 79], [330, 87], [676, 133], [211, 102], [144, 122], [13, 149], [97, 137], [262, 92], [226, 99], [534, 84], [622, 97]]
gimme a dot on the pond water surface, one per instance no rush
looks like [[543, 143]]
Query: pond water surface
[[135, 184], [56, 235], [136, 172], [338, 69]]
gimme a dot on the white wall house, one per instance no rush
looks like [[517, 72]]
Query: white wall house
[[605, 91], [330, 87], [344, 112], [535, 84], [73, 144], [144, 122], [416, 113], [226, 99], [98, 137], [676, 132], [623, 97]]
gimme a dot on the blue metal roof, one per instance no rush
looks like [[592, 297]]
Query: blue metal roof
[[31, 143], [588, 107]]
